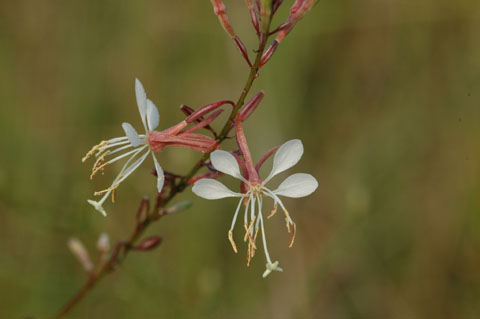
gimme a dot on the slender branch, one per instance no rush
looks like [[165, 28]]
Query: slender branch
[[123, 248]]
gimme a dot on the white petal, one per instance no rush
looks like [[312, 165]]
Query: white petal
[[160, 176], [132, 135], [226, 163], [152, 115], [212, 189], [297, 185], [141, 99], [286, 156]]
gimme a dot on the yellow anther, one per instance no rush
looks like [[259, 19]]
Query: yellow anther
[[247, 230], [114, 195], [230, 237], [287, 219], [98, 169], [249, 257], [93, 150], [274, 210], [112, 188], [100, 160], [292, 239], [252, 242]]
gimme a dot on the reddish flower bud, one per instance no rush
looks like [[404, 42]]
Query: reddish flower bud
[[188, 111], [276, 5], [220, 12], [148, 243], [243, 50], [269, 52], [253, 16], [206, 109], [204, 123], [265, 157], [251, 106], [80, 252]]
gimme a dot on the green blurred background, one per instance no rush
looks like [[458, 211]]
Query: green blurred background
[[384, 94]]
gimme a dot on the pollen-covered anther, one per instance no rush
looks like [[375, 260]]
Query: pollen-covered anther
[[249, 255], [114, 195], [292, 239], [230, 237], [248, 230], [287, 220], [100, 159], [273, 211], [112, 188], [251, 241], [98, 169], [254, 248], [93, 150]]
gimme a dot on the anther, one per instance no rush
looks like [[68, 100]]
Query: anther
[[247, 230], [292, 239], [106, 190], [230, 237], [100, 160], [273, 211], [93, 150]]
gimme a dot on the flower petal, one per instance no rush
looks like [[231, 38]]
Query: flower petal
[[287, 155], [212, 189], [226, 163], [132, 135], [152, 115], [160, 176], [297, 185], [141, 99]]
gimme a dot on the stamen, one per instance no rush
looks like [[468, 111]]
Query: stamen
[[273, 211], [93, 150], [287, 219], [267, 255], [276, 199], [111, 144], [121, 148], [230, 237], [111, 188], [100, 160], [255, 239], [230, 232], [292, 239], [96, 170], [247, 231], [114, 195]]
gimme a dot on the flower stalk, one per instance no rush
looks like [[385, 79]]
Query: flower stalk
[[170, 185]]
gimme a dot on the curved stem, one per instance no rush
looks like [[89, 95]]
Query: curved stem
[[158, 211]]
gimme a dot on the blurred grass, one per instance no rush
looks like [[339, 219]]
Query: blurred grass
[[384, 95]]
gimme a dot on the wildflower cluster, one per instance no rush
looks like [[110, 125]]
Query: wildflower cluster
[[134, 148]]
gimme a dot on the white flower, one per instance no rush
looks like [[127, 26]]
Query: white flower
[[135, 145], [294, 186]]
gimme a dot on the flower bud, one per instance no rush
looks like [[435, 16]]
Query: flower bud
[[103, 243], [179, 207], [81, 253], [148, 243]]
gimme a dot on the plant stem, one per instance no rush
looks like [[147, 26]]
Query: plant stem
[[127, 246]]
